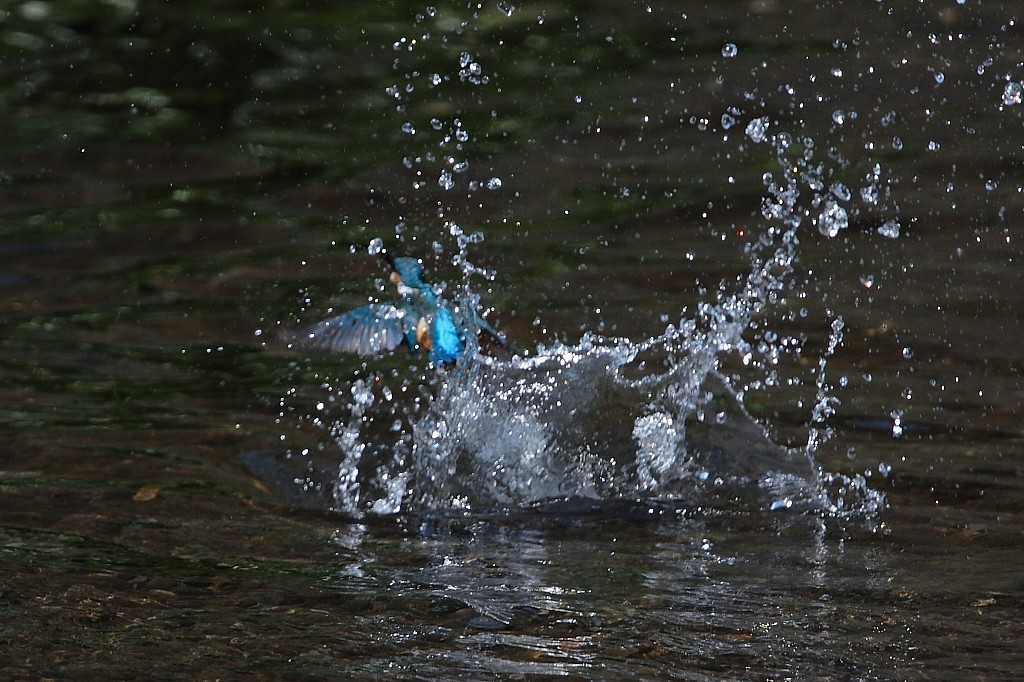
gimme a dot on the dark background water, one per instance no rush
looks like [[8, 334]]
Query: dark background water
[[176, 176]]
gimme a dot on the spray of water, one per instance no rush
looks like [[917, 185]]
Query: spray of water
[[606, 419]]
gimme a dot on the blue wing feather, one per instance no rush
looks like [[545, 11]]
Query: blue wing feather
[[370, 330]]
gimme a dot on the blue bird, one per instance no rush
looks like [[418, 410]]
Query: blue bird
[[419, 319]]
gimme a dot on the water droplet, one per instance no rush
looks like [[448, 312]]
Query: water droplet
[[445, 180], [730, 50], [908, 352], [757, 129], [939, 77], [1013, 94], [840, 191], [494, 183], [897, 423], [839, 117], [833, 219], [728, 121], [933, 146], [890, 228]]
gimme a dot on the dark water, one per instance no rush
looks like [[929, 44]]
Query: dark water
[[174, 178]]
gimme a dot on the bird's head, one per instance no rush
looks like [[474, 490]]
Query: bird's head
[[407, 273]]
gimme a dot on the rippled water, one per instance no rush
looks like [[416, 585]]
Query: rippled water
[[763, 259]]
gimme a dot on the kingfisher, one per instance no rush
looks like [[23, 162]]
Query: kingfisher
[[419, 319]]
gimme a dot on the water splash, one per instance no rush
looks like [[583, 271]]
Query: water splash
[[605, 419]]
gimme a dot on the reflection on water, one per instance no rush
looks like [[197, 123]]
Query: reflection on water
[[173, 177]]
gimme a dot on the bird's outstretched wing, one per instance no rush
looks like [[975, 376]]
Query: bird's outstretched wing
[[370, 330]]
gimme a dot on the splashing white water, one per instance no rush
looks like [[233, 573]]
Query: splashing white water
[[605, 418]]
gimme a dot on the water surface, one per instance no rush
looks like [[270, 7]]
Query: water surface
[[175, 179]]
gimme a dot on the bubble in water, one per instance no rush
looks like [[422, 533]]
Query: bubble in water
[[757, 129], [728, 121], [839, 117], [940, 77], [1013, 94], [445, 180], [376, 246], [833, 219], [730, 50], [494, 183], [933, 146], [890, 228]]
